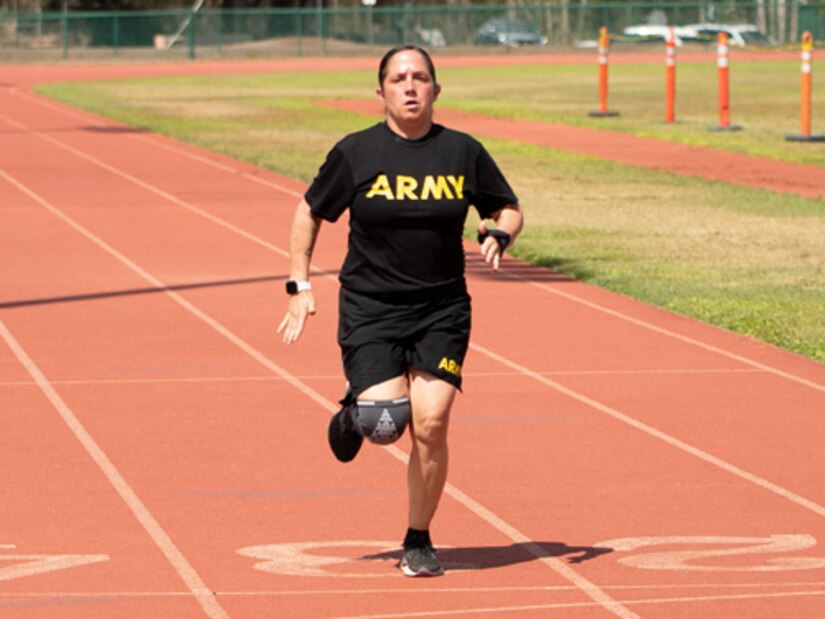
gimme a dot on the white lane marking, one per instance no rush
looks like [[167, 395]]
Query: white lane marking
[[587, 587], [170, 146], [691, 560], [426, 591], [250, 177], [554, 563], [309, 559], [184, 569], [337, 377], [150, 188], [23, 565], [293, 559], [312, 559], [429, 592], [667, 332], [504, 273], [650, 430], [730, 468], [534, 607], [593, 591]]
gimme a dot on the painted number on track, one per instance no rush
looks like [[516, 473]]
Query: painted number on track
[[710, 559], [14, 566], [300, 560]]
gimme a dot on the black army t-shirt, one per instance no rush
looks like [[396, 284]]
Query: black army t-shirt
[[408, 200]]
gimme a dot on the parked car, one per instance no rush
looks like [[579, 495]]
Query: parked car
[[509, 32], [739, 35], [432, 37], [649, 34]]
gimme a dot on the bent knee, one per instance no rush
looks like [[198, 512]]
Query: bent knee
[[431, 429]]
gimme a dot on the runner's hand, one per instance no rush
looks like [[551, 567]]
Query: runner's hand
[[493, 243], [300, 306]]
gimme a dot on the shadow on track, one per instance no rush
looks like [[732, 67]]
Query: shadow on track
[[490, 557], [93, 296]]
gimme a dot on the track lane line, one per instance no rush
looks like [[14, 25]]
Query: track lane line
[[668, 333], [470, 611], [571, 297], [149, 187], [337, 377], [588, 588], [197, 588], [426, 591], [651, 431], [563, 605], [596, 593], [626, 419], [149, 138]]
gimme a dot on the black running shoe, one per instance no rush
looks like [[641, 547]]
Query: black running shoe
[[420, 562], [344, 439]]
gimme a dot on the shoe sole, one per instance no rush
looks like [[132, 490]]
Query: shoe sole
[[423, 572]]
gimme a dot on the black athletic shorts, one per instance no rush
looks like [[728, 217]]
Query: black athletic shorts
[[381, 338]]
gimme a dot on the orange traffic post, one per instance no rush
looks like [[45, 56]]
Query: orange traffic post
[[604, 47], [670, 78], [807, 87], [724, 87]]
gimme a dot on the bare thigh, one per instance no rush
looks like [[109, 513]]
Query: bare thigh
[[432, 398], [430, 395]]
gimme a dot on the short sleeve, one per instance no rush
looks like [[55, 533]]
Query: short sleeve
[[333, 189], [494, 192]]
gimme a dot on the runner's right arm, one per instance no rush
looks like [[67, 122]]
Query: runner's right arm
[[304, 232]]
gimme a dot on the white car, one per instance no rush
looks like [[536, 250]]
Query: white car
[[653, 33], [739, 35]]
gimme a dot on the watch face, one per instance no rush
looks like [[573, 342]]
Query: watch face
[[291, 287]]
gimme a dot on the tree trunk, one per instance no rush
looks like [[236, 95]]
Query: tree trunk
[[580, 19], [793, 35], [761, 17], [565, 21]]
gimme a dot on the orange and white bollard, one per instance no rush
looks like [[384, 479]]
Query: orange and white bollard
[[724, 86], [604, 49], [670, 78], [807, 88]]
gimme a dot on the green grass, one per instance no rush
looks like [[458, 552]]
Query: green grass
[[748, 260], [566, 93]]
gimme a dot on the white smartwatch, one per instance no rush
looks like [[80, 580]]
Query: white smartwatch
[[294, 286]]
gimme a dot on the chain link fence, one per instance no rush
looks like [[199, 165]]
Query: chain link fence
[[267, 33]]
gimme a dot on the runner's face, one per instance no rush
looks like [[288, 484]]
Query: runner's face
[[408, 93]]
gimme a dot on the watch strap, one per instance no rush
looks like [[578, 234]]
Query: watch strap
[[294, 286]]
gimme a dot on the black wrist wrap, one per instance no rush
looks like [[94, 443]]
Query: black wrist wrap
[[501, 237]]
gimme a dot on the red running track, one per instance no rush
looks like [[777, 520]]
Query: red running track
[[164, 455]]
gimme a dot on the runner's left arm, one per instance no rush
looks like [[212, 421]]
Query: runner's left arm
[[510, 221]]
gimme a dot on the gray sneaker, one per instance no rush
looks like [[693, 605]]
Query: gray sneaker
[[420, 562]]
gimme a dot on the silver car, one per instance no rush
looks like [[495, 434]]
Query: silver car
[[509, 32]]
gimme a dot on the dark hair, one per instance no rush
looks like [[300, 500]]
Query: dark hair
[[382, 67]]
